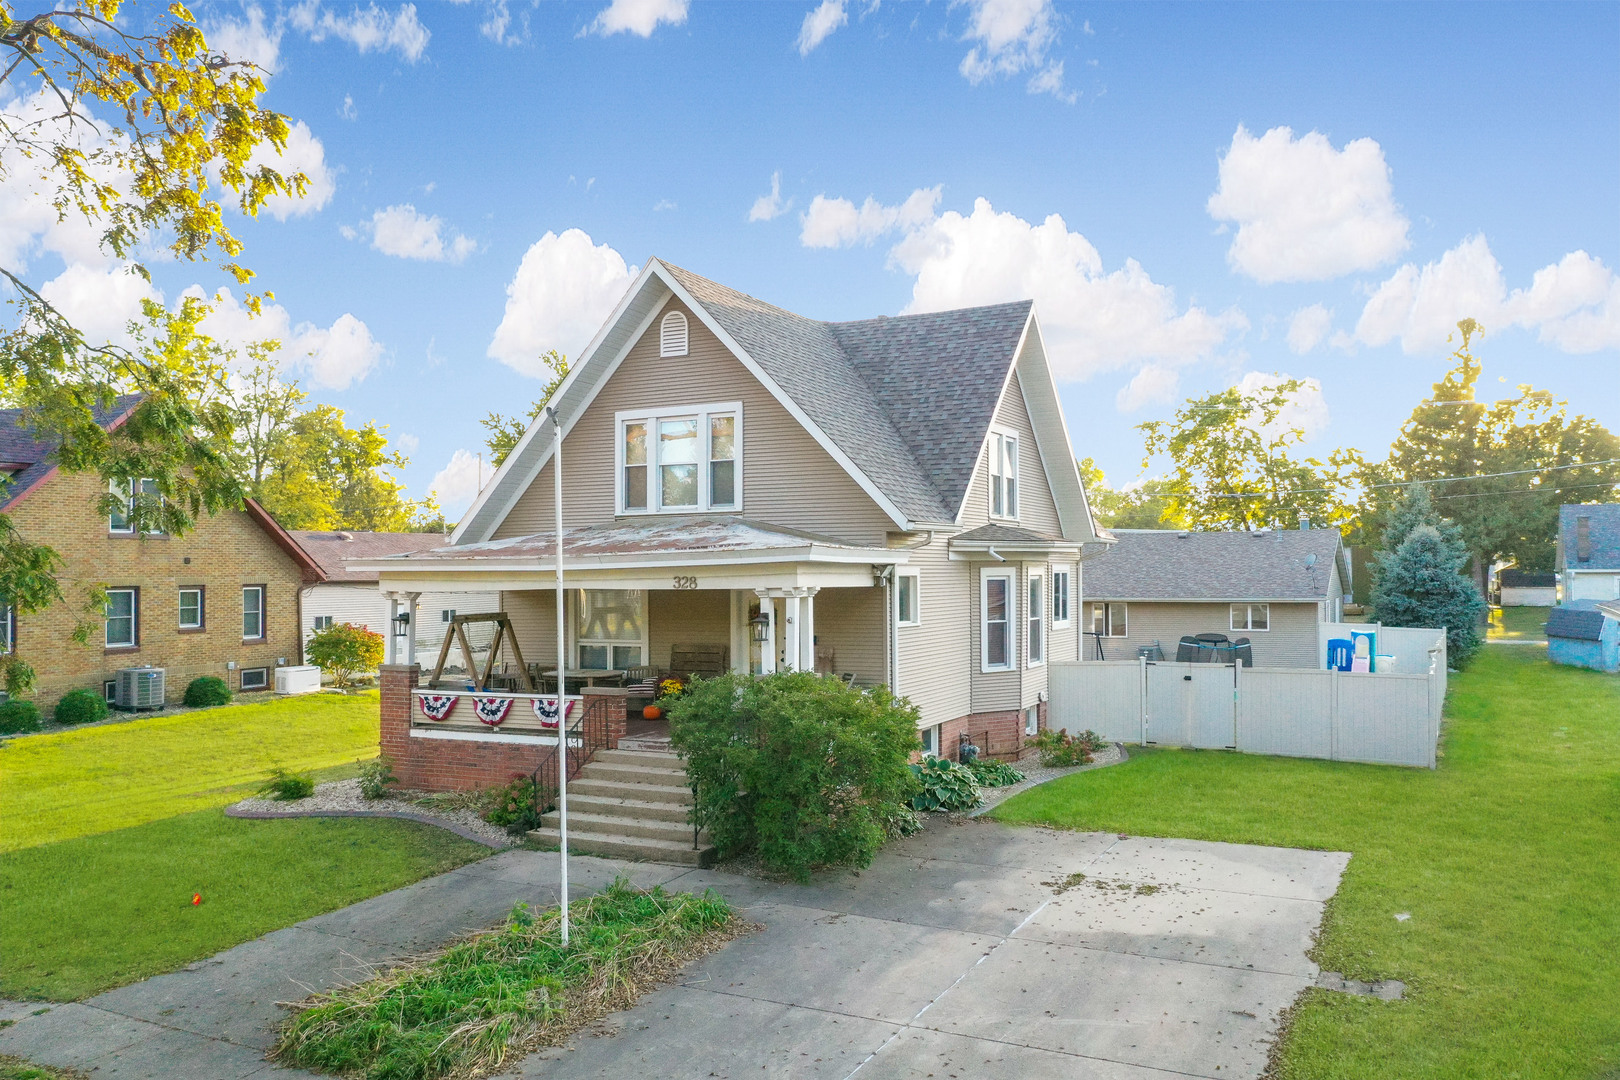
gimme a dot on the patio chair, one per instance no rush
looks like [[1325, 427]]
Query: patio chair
[[1187, 650], [1243, 652], [641, 684]]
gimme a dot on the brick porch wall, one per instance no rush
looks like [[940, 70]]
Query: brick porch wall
[[457, 765], [1005, 728]]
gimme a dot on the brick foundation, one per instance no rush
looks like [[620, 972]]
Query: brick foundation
[[456, 765], [1005, 731]]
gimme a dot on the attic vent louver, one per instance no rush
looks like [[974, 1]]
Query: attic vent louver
[[672, 335]]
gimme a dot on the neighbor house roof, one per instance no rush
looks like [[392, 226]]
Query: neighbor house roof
[[29, 458], [1603, 533], [1580, 620], [1165, 565], [329, 549]]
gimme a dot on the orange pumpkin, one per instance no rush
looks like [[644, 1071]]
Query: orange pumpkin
[[651, 712]]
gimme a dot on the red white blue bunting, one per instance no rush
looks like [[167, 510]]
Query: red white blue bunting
[[546, 710], [437, 706], [491, 710]]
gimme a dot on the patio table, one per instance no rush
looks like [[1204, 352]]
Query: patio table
[[587, 675]]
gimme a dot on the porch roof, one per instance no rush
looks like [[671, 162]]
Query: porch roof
[[638, 546]]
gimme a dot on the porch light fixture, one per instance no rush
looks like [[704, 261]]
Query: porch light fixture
[[402, 624], [760, 626]]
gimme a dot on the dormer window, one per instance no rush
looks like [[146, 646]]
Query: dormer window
[[1003, 475], [672, 335], [680, 460]]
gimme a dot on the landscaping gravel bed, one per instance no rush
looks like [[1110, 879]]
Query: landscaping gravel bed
[[1036, 773], [342, 798]]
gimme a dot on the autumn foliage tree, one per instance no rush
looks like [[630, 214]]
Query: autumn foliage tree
[[343, 649]]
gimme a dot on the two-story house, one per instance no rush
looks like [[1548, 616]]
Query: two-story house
[[892, 499], [1588, 552], [221, 600]]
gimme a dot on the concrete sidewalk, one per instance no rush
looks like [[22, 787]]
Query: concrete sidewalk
[[970, 949]]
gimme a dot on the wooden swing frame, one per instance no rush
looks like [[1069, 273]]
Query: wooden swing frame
[[503, 632]]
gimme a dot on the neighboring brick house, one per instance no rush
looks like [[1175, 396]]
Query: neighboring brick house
[[220, 600]]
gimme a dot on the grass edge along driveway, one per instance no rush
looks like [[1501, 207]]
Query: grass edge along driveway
[[73, 783], [1506, 861]]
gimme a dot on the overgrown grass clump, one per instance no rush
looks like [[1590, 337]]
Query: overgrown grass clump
[[506, 990]]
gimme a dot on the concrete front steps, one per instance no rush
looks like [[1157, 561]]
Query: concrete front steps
[[630, 804]]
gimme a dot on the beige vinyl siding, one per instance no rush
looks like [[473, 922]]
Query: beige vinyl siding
[[788, 479], [1036, 508], [362, 604], [701, 617], [534, 620], [851, 623], [1291, 641], [937, 658]]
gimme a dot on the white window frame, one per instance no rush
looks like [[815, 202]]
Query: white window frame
[[995, 461], [127, 490], [202, 610], [446, 614], [1032, 720], [134, 641], [985, 577], [322, 622], [651, 418], [1035, 621], [1066, 616], [264, 627], [930, 740], [579, 642], [915, 577], [1108, 607], [1248, 617], [667, 345], [262, 684]]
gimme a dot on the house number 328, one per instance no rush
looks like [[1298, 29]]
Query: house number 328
[[686, 583]]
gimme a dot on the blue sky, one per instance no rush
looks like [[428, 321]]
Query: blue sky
[[1439, 161]]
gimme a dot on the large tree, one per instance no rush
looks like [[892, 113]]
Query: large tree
[[1233, 464], [1500, 471], [506, 431], [1143, 506]]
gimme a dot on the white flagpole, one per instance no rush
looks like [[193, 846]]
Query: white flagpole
[[562, 671]]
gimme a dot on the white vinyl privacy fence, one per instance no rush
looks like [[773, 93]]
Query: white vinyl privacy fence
[[1390, 719]]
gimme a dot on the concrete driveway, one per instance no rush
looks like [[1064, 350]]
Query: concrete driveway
[[975, 950]]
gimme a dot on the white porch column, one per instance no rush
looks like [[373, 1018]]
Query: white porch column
[[410, 640], [767, 651], [392, 651], [807, 631], [790, 633]]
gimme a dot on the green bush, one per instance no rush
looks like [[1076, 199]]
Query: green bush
[[945, 786], [81, 707], [519, 806], [17, 717], [207, 691], [995, 773], [343, 649], [796, 767], [1059, 748], [375, 776], [287, 786]]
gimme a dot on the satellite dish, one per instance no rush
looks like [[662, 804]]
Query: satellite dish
[[1310, 560]]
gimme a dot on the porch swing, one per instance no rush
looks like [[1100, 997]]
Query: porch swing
[[503, 632]]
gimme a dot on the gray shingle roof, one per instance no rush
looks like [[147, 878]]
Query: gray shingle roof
[[1166, 565], [1576, 622], [908, 399], [20, 445], [1005, 534], [1604, 532]]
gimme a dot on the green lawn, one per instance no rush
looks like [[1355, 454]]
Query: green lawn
[[78, 783], [1518, 624], [84, 915], [1507, 859]]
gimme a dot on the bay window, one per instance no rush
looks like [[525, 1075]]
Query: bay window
[[1060, 596], [1037, 628], [680, 460], [998, 602]]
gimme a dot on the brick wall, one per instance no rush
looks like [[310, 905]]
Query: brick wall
[[1005, 730], [222, 554], [465, 765]]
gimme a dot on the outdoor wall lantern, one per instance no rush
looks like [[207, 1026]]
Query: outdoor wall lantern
[[402, 624], [760, 625]]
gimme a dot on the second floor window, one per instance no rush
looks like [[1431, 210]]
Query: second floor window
[[1003, 475], [129, 492], [252, 612], [123, 629], [682, 461]]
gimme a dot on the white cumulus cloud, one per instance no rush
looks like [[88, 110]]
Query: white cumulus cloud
[[1573, 304], [830, 223], [333, 357], [563, 290], [458, 483], [404, 233], [1093, 319], [819, 24], [769, 207], [251, 38], [368, 29], [1012, 36], [1153, 384], [1305, 211], [100, 301], [1306, 411], [1307, 327], [639, 17]]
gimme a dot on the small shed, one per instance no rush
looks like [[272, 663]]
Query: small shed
[[1585, 633], [1521, 588]]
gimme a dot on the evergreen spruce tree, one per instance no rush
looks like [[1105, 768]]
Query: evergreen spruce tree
[[1420, 584], [1415, 508]]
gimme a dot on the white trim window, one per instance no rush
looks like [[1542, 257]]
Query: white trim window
[[191, 609], [1062, 577], [1003, 448], [1251, 617], [930, 740], [1032, 720], [322, 622], [256, 678], [1035, 640], [123, 522], [998, 617], [446, 614], [680, 461], [672, 337], [610, 628], [123, 618], [252, 612], [1110, 620], [8, 629], [907, 598]]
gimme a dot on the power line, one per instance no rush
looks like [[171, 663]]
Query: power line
[[1436, 480]]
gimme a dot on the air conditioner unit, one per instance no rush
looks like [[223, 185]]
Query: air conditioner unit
[[139, 688], [299, 679]]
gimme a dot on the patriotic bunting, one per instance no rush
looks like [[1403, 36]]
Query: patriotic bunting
[[546, 710], [491, 710], [437, 706]]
